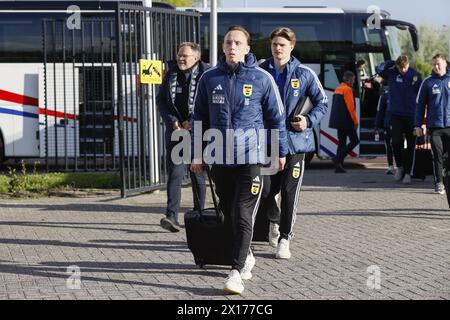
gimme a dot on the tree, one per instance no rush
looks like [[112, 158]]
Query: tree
[[432, 40], [423, 68], [186, 3], [178, 3]]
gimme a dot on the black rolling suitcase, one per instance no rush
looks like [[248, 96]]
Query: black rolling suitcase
[[261, 227], [423, 164], [208, 234]]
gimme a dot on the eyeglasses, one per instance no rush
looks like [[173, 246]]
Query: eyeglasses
[[179, 56]]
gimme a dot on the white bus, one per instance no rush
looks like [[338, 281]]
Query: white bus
[[330, 41], [59, 85]]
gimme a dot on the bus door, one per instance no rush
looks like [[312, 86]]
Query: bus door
[[370, 47], [368, 88]]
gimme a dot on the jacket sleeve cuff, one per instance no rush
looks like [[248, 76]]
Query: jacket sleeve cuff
[[308, 122]]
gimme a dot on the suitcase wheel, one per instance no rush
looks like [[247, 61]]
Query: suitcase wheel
[[200, 263]]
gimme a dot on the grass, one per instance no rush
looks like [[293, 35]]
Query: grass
[[25, 184], [4, 183]]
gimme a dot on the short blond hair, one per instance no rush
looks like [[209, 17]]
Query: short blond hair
[[402, 61]]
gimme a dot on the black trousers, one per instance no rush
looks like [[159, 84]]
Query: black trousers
[[440, 143], [401, 129], [388, 145], [175, 175], [288, 182], [343, 148], [239, 190]]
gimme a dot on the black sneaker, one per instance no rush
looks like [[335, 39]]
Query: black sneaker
[[339, 169], [338, 166], [170, 224]]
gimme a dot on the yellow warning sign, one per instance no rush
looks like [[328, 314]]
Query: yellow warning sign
[[151, 71]]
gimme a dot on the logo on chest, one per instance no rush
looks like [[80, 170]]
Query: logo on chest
[[449, 85], [436, 89], [218, 98], [295, 84], [247, 90]]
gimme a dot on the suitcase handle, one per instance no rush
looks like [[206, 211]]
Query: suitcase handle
[[219, 213]]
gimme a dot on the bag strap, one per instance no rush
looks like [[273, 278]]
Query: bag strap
[[213, 192], [195, 191], [219, 213]]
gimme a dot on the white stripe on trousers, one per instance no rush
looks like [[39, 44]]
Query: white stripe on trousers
[[297, 195], [255, 211]]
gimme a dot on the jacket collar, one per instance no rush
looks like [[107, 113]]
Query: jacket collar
[[435, 75], [250, 62], [290, 66]]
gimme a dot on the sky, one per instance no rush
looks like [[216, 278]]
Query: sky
[[436, 12]]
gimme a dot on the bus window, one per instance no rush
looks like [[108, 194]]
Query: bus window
[[315, 32], [392, 36], [363, 37], [368, 84], [334, 67], [331, 78], [20, 38]]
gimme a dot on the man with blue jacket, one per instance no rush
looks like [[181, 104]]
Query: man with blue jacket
[[382, 123], [434, 95], [236, 99], [294, 82], [404, 83], [175, 103]]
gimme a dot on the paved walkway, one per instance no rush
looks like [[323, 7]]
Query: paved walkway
[[358, 236]]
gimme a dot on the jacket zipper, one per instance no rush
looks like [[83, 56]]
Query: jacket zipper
[[231, 105]]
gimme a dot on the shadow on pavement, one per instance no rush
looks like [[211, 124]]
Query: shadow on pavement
[[58, 270]]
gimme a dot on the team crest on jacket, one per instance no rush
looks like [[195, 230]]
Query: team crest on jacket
[[248, 90], [449, 85], [296, 171], [295, 84], [256, 185], [415, 78]]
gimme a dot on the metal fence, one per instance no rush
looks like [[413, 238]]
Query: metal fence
[[142, 153], [97, 115]]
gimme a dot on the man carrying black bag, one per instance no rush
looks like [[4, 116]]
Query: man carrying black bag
[[238, 100]]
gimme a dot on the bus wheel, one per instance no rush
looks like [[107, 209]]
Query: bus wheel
[[308, 158]]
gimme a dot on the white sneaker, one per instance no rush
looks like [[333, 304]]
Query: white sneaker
[[407, 179], [234, 284], [246, 272], [439, 188], [399, 174], [283, 251], [390, 170], [274, 234]]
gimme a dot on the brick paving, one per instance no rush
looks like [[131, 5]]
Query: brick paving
[[346, 225]]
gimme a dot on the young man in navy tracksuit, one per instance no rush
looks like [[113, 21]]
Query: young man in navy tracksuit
[[382, 122], [434, 95], [237, 98], [404, 83], [175, 103], [294, 82]]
